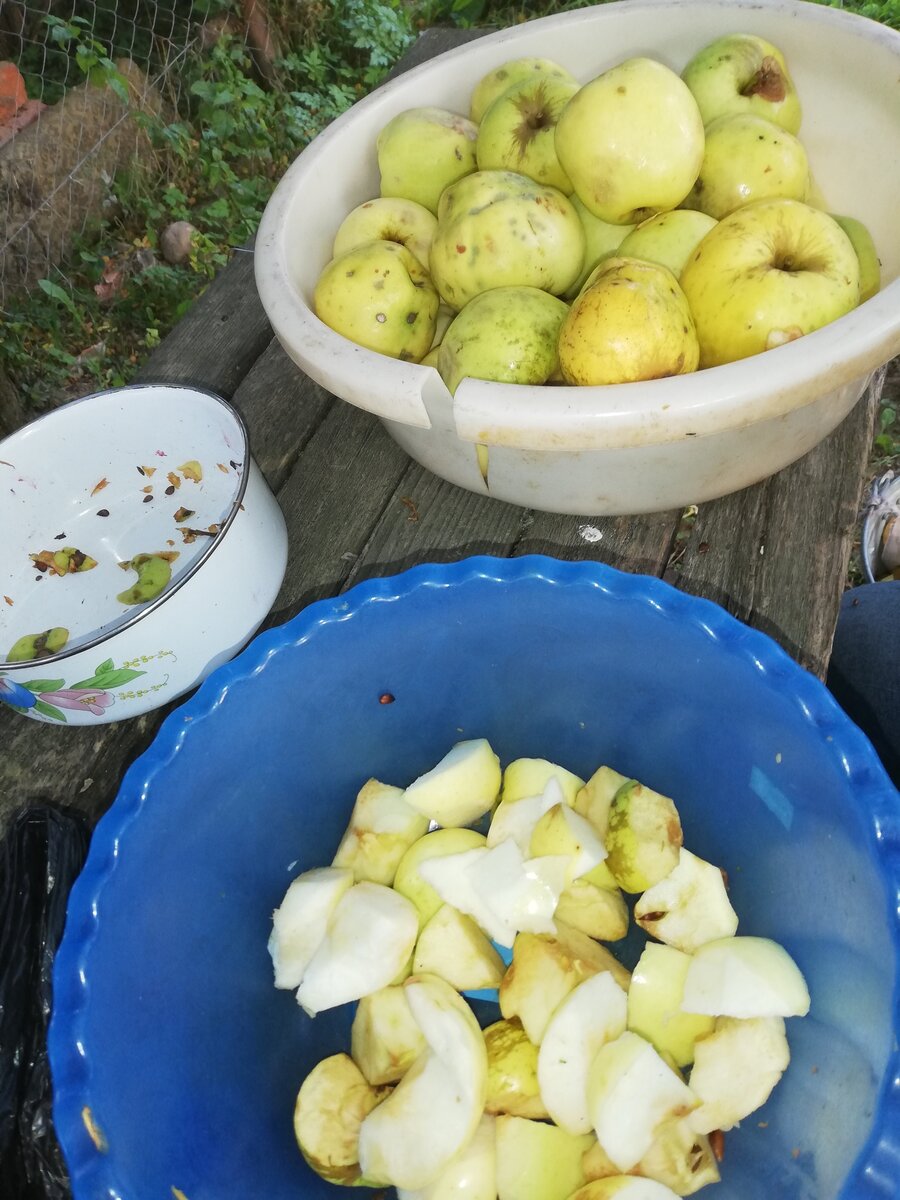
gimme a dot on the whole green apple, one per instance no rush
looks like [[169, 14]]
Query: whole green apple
[[423, 150], [631, 141], [508, 334], [517, 70], [743, 73], [766, 274], [748, 158], [501, 229], [631, 323], [389, 219], [866, 252], [517, 132], [601, 240], [668, 238], [380, 296]]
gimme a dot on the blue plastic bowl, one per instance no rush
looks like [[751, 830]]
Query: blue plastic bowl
[[175, 1060]]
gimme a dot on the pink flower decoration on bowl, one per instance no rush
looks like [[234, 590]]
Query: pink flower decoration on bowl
[[79, 698]]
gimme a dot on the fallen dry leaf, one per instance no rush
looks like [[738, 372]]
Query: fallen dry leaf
[[104, 482]]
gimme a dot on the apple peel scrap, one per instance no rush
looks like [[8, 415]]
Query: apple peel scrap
[[596, 1082]]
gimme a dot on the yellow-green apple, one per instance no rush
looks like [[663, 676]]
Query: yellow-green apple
[[452, 947], [501, 229], [668, 238], [631, 141], [462, 787], [421, 151], [385, 1039], [768, 273], [735, 1069], [869, 262], [643, 837], [536, 1161], [741, 73], [744, 977], [435, 1109], [516, 818], [601, 240], [631, 322], [387, 219], [370, 937], [589, 1017], [518, 130], [301, 920], [594, 798], [512, 1072], [508, 335], [689, 906], [597, 910], [654, 1004], [471, 1175], [517, 70], [380, 296], [381, 829], [528, 777], [408, 880], [632, 1093], [679, 1158], [331, 1105], [561, 830], [445, 315], [748, 158]]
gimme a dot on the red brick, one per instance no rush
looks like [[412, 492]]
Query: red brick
[[30, 111], [12, 90]]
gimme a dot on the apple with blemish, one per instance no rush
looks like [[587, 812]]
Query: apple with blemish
[[518, 131], [517, 70], [388, 219], [743, 73], [421, 151]]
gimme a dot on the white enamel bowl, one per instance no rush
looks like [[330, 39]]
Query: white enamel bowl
[[137, 470], [639, 447]]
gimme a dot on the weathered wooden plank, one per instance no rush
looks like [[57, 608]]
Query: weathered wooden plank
[[220, 337], [432, 42], [776, 555], [637, 544]]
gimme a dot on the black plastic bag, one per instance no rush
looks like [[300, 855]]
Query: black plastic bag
[[40, 857]]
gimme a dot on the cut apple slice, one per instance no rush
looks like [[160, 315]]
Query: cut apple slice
[[735, 1069], [545, 968], [300, 923], [408, 880], [516, 819], [589, 1017], [624, 1187], [385, 1038], [643, 837], [680, 1158], [600, 912], [381, 829], [471, 1175], [331, 1105], [537, 1161], [529, 776], [450, 877], [689, 907], [744, 977], [654, 1004], [512, 1072], [452, 946], [631, 1093], [562, 831], [594, 799], [369, 940], [432, 1114], [462, 787], [522, 894]]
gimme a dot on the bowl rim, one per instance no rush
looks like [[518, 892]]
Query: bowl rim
[[853, 756], [568, 417], [10, 668]]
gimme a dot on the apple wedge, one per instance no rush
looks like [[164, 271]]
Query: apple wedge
[[561, 830], [744, 977], [512, 1072], [369, 940], [516, 819], [300, 922], [408, 880], [632, 1093], [735, 1069], [471, 1175], [453, 947], [599, 912], [385, 1038], [381, 829], [689, 907], [537, 1161], [433, 1113], [680, 1158], [589, 1017], [545, 968], [654, 1004], [450, 877], [595, 798], [624, 1187], [525, 777], [332, 1103], [522, 893], [643, 837], [462, 787]]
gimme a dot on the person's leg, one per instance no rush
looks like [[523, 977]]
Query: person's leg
[[864, 673]]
